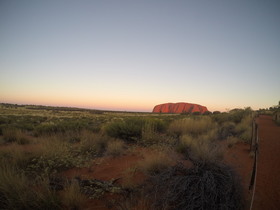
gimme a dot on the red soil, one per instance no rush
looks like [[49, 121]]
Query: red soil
[[267, 194], [238, 157], [110, 168]]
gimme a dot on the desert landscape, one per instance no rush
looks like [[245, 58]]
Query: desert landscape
[[70, 158], [139, 105]]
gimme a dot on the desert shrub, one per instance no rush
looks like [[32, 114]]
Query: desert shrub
[[184, 144], [129, 129], [246, 136], [235, 115], [226, 129], [192, 126], [22, 122], [72, 198], [244, 128], [52, 156], [231, 141], [216, 112], [150, 134], [56, 154], [155, 162], [115, 148], [204, 186], [207, 113], [196, 113], [132, 128], [92, 144], [18, 192], [63, 125], [11, 134], [200, 149], [16, 156]]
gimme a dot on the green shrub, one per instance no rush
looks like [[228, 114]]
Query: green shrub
[[202, 149], [226, 129], [11, 134], [155, 162], [244, 128], [184, 144], [18, 192], [129, 129], [92, 144], [63, 125], [115, 148], [16, 156], [191, 126]]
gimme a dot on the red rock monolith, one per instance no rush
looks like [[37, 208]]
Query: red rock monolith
[[179, 108]]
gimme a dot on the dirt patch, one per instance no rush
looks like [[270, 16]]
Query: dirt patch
[[239, 158], [267, 195]]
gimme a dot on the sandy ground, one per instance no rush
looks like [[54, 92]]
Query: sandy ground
[[239, 158], [108, 168], [267, 194]]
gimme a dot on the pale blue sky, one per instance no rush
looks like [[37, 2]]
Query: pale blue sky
[[132, 55]]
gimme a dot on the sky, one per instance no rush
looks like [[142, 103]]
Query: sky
[[130, 55]]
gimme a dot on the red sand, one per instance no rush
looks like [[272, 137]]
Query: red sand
[[238, 157], [267, 194]]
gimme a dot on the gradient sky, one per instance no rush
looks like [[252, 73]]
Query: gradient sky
[[131, 55]]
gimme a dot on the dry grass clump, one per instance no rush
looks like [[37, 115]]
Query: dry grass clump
[[93, 143], [72, 198], [244, 128], [231, 141], [192, 126], [16, 156], [150, 134], [155, 162], [115, 148], [18, 192], [203, 148], [15, 135], [204, 186]]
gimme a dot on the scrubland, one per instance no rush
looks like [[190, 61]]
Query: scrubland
[[169, 161]]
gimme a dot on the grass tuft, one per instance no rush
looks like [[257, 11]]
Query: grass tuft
[[72, 197], [155, 162], [115, 148]]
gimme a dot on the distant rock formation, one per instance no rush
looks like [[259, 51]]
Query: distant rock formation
[[179, 108]]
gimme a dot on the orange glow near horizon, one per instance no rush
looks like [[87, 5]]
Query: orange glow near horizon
[[110, 105], [103, 102]]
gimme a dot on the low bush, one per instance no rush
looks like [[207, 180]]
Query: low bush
[[92, 144], [18, 192], [131, 129], [200, 151], [53, 156], [212, 186], [244, 129], [115, 148], [72, 198], [16, 156], [155, 162], [226, 130], [191, 126], [231, 141], [11, 134]]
